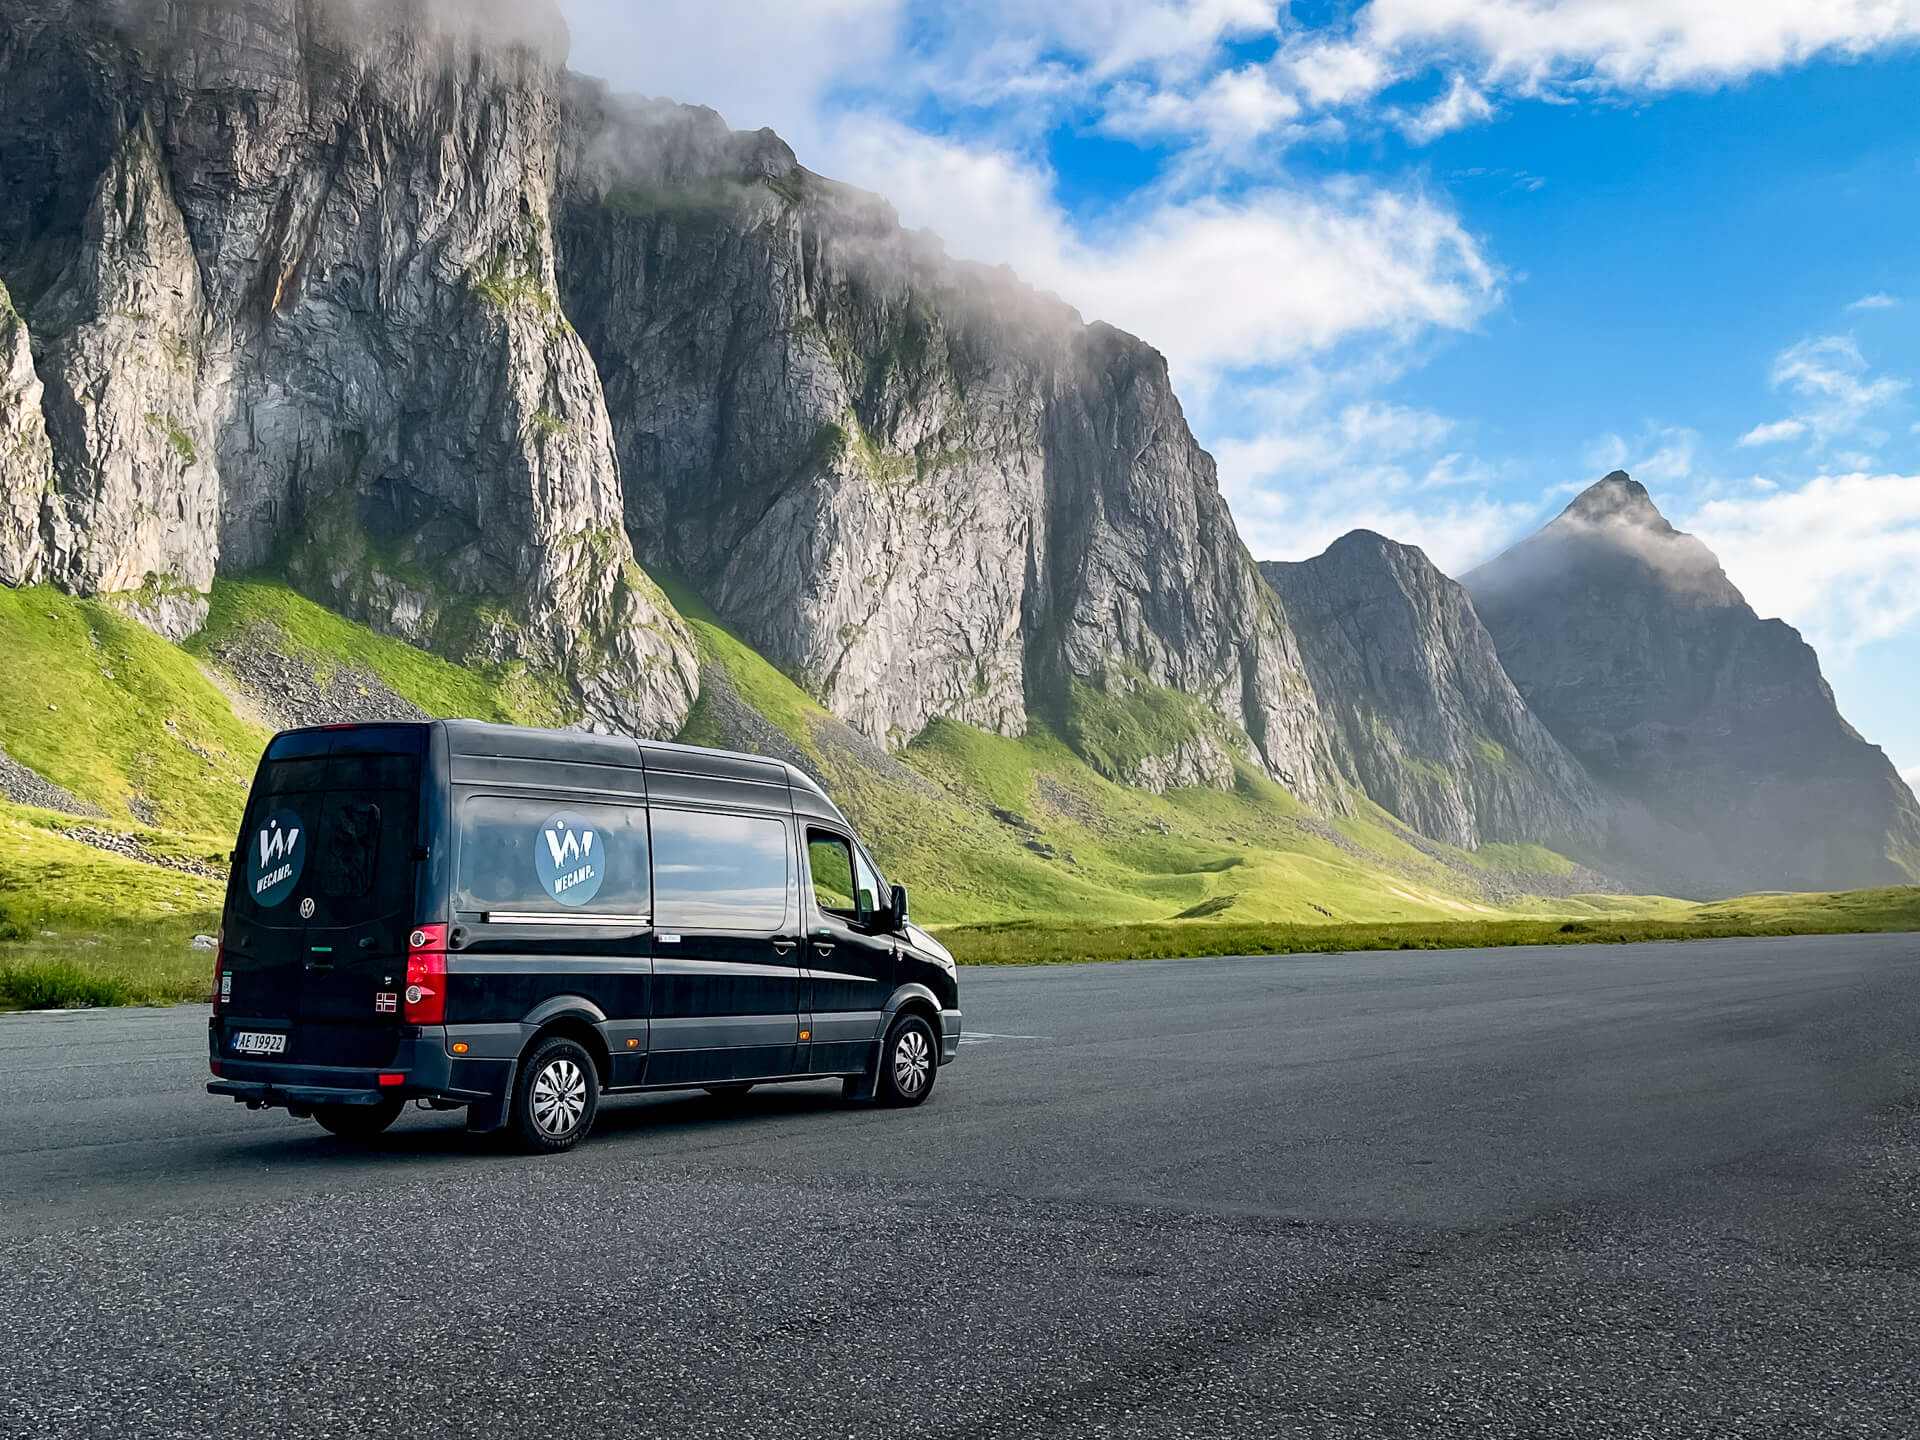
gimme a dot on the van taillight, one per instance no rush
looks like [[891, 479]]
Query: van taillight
[[425, 999]]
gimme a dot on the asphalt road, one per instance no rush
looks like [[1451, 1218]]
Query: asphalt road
[[1664, 1190]]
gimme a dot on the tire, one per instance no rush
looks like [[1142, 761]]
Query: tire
[[556, 1095], [729, 1092], [359, 1122], [909, 1062]]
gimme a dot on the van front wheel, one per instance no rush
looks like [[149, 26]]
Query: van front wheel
[[555, 1096], [909, 1061], [359, 1122]]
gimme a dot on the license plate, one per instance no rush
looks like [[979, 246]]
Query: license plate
[[259, 1042]]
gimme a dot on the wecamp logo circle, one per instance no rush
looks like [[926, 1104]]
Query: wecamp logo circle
[[275, 858], [570, 858]]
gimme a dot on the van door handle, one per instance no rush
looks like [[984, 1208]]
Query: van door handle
[[823, 947], [783, 947]]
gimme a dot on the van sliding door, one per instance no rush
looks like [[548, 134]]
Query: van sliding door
[[726, 1000]]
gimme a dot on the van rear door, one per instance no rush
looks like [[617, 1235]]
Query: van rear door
[[324, 897]]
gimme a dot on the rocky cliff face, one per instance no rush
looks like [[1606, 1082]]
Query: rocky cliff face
[[289, 268], [303, 279], [1629, 642], [1432, 727], [917, 484]]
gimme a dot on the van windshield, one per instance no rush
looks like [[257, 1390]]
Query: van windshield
[[337, 830]]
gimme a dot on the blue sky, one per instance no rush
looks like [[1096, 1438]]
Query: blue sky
[[1430, 266]]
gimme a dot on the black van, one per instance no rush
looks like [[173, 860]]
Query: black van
[[519, 921]]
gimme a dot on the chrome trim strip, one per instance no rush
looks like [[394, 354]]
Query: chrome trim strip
[[529, 917]]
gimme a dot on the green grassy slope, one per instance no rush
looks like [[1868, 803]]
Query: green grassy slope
[[987, 828], [1019, 849], [327, 642], [126, 721]]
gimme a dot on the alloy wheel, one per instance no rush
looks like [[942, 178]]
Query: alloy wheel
[[559, 1097], [912, 1062]]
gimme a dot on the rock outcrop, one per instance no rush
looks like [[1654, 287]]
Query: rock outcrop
[[917, 484], [1629, 642], [26, 459], [136, 498], [1432, 727]]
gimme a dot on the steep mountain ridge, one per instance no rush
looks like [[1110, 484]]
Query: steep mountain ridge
[[1633, 647], [1433, 727], [917, 484], [304, 306]]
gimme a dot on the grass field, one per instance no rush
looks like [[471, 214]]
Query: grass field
[[80, 926], [1848, 912]]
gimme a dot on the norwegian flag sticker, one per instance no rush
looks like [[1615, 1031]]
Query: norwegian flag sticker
[[387, 1002]]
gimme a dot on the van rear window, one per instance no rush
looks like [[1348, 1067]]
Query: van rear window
[[552, 855], [337, 830]]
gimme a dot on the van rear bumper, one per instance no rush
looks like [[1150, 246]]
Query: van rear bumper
[[258, 1093], [425, 1069]]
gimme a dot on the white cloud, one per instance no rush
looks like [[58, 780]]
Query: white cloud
[[1838, 557], [1830, 379], [1486, 49], [1633, 45], [1265, 277], [1334, 72], [1297, 522], [1606, 454], [1662, 455], [1462, 105], [1879, 301], [1774, 432], [699, 52], [1232, 110], [1912, 776], [1307, 466], [1671, 458]]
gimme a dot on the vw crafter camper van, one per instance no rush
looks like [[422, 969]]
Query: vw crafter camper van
[[517, 922]]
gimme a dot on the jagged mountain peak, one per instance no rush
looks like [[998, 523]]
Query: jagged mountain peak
[[1612, 536], [1617, 496], [1628, 640], [1371, 540], [1431, 727]]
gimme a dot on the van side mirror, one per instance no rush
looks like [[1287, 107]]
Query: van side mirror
[[897, 909]]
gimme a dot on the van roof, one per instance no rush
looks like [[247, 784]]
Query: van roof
[[479, 737]]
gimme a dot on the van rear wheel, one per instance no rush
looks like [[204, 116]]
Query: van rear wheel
[[555, 1096], [359, 1122]]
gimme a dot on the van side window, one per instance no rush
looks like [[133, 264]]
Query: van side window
[[830, 859], [719, 872], [552, 854]]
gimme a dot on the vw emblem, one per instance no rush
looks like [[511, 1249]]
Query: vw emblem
[[306, 908]]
